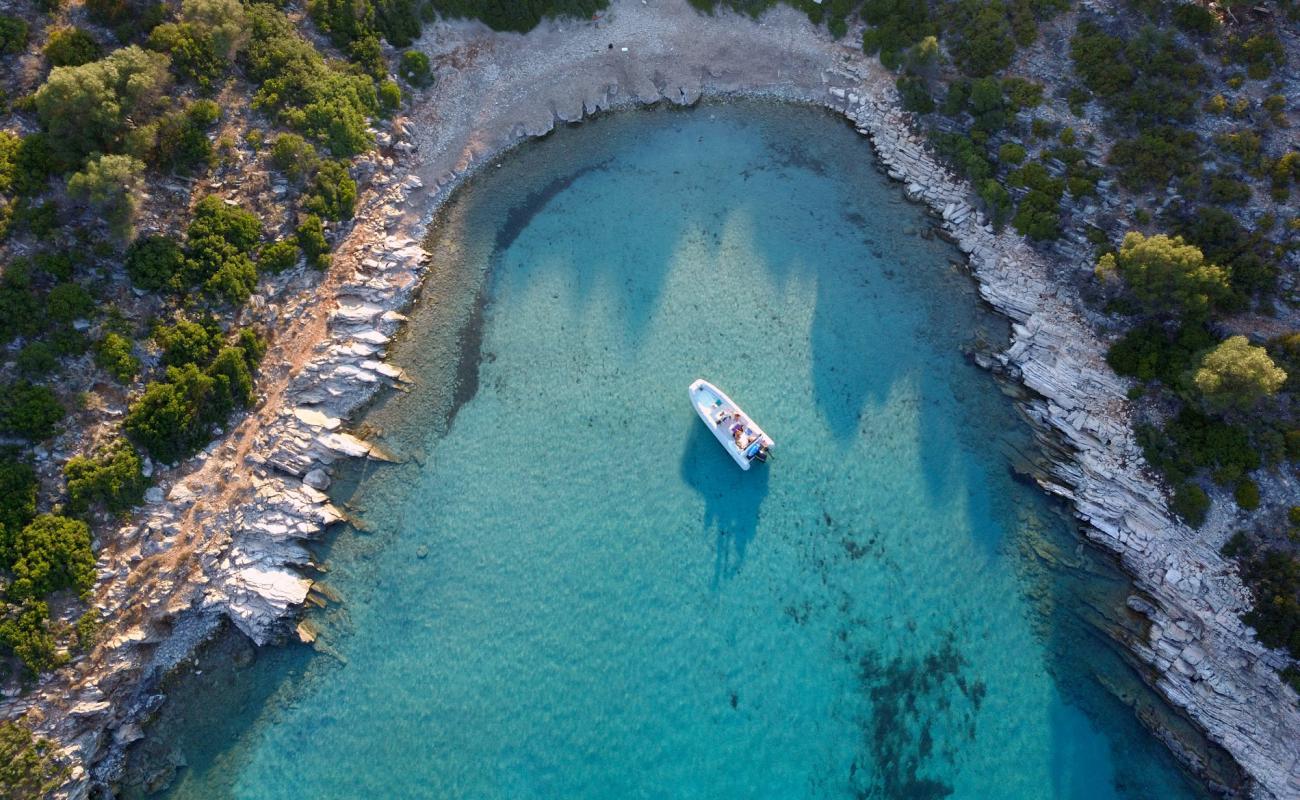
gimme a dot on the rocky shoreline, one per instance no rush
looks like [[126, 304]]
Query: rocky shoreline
[[197, 555]]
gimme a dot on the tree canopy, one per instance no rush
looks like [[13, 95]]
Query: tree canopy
[[1166, 275], [1237, 374], [89, 107]]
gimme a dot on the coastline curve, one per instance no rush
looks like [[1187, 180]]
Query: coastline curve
[[227, 541]]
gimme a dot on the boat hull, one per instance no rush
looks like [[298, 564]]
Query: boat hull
[[720, 415]]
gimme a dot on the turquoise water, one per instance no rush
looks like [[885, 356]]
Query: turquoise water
[[570, 591]]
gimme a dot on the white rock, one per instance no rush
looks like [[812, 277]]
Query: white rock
[[317, 479]]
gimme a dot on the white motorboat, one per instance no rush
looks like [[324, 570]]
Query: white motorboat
[[734, 430]]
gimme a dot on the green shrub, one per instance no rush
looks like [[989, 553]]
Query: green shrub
[[88, 627], [1293, 516], [1237, 545], [312, 242], [13, 35], [1293, 445], [414, 68], [333, 194], [69, 301], [36, 360], [112, 186], [1224, 241], [18, 487], [112, 478], [19, 306], [398, 21], [179, 140], [193, 52], [233, 280], [1039, 216], [71, 47], [277, 256], [68, 341], [173, 418], [253, 345], [964, 155], [232, 381], [982, 40], [1275, 105], [1274, 579], [1154, 157], [1152, 352], [1228, 191], [155, 262], [1244, 145], [32, 412], [58, 266], [129, 19], [294, 156], [34, 163], [186, 342], [113, 355], [1011, 153], [1247, 494], [10, 143], [1190, 503], [25, 631], [221, 237], [1194, 18], [390, 97], [344, 21], [29, 766], [39, 219], [214, 218], [914, 94], [1203, 441], [1022, 94], [997, 201], [52, 553]]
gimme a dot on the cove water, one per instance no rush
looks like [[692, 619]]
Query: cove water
[[568, 590]]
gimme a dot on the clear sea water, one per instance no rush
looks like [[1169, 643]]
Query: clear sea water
[[568, 590]]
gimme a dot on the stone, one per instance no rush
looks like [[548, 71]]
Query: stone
[[317, 479]]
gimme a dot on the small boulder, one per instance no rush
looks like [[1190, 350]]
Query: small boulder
[[317, 479]]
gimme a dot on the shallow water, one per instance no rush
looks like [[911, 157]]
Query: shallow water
[[570, 591]]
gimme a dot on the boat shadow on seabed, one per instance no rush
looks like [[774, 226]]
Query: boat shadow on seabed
[[732, 498]]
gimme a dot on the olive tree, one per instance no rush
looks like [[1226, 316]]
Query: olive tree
[[89, 107]]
